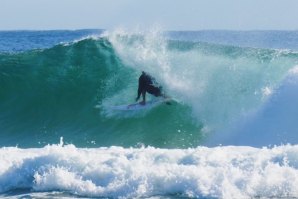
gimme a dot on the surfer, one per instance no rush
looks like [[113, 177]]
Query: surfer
[[148, 84]]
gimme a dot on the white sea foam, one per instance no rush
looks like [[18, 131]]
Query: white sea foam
[[221, 172]]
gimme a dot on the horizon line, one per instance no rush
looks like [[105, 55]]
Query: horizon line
[[189, 30]]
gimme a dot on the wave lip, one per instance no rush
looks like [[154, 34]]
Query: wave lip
[[220, 172]]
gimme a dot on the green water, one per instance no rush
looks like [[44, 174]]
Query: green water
[[55, 92]]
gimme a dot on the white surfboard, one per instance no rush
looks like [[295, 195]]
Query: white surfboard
[[138, 106]]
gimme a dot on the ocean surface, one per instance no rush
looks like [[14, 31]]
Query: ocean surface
[[231, 131]]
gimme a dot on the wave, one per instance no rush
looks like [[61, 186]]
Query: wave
[[66, 90], [116, 172]]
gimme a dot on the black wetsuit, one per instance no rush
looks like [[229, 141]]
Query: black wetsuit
[[147, 84]]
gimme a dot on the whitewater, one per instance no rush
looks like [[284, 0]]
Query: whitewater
[[231, 132]]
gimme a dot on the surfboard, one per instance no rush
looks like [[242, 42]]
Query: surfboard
[[138, 106]]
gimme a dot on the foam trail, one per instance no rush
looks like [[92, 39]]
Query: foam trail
[[221, 172]]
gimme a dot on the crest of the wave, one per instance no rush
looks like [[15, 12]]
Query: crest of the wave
[[86, 37], [220, 172], [143, 50]]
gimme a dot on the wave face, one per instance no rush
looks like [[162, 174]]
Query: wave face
[[67, 90], [50, 93]]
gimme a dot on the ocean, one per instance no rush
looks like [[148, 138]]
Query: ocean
[[231, 131]]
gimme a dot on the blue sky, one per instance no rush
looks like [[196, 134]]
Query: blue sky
[[168, 14]]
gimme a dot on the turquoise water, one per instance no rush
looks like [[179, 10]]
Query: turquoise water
[[231, 99], [54, 92]]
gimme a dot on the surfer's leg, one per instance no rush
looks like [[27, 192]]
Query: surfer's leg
[[144, 97]]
